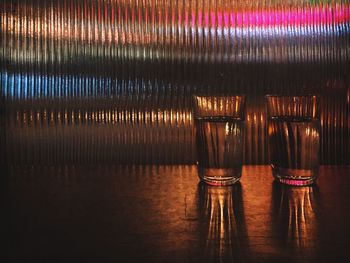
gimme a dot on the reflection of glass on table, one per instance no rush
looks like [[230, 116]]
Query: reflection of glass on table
[[296, 210], [294, 138], [222, 220], [219, 138]]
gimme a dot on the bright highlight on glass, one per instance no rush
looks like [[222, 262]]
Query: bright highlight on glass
[[219, 137], [294, 138]]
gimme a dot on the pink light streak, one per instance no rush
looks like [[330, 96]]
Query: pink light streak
[[316, 15]]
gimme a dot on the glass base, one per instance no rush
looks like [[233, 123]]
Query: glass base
[[297, 177], [220, 176]]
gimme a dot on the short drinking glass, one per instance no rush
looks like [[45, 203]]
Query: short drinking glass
[[294, 138], [219, 124]]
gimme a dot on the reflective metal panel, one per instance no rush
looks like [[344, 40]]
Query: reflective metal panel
[[100, 75]]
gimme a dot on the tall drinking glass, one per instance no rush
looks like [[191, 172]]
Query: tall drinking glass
[[219, 124], [294, 138]]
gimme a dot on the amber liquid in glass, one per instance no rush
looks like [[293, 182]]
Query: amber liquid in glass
[[294, 145], [219, 149]]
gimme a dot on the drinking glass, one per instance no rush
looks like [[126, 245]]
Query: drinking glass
[[294, 138], [219, 122]]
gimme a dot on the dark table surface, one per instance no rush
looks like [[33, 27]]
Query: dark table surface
[[163, 214]]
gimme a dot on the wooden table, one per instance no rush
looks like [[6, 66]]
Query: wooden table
[[162, 214]]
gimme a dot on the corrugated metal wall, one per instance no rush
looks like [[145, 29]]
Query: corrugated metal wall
[[96, 81]]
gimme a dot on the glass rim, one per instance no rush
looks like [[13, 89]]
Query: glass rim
[[292, 100], [232, 106], [218, 96], [291, 96]]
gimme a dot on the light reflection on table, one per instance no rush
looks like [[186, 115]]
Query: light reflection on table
[[162, 213]]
